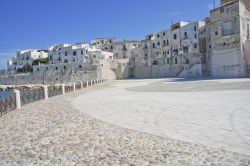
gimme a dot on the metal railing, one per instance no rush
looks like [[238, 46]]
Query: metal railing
[[29, 95], [7, 102], [54, 90], [78, 85], [15, 99], [69, 88]]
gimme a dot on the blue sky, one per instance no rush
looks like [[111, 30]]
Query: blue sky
[[40, 23]]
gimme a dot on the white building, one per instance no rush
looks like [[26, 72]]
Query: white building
[[104, 44], [25, 58], [67, 53], [97, 56], [168, 53], [122, 49]]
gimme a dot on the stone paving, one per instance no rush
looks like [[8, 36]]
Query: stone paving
[[52, 132], [182, 110]]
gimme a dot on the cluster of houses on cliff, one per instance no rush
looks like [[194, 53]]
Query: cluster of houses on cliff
[[218, 46]]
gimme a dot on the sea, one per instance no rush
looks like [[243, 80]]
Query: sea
[[4, 94]]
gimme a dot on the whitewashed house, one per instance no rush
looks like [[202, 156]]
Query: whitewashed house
[[67, 53], [25, 58]]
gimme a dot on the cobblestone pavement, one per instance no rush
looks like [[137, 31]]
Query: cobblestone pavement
[[51, 132]]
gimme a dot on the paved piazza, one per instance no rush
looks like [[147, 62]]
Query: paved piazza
[[134, 122], [210, 112]]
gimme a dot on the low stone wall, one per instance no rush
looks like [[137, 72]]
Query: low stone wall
[[54, 74], [19, 96]]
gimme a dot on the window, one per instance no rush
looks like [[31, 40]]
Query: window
[[158, 43], [59, 58], [195, 45], [248, 31], [176, 51], [74, 53], [155, 62], [167, 42], [185, 49], [47, 68], [164, 42], [175, 36], [216, 33], [81, 52], [185, 35], [64, 67], [146, 55], [227, 28], [80, 66], [175, 60], [66, 54], [111, 47], [158, 35], [195, 36], [163, 33], [195, 28], [56, 68], [37, 69], [153, 45]]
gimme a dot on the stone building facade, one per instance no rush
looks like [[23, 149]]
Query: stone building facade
[[227, 39], [219, 46], [104, 44], [168, 53]]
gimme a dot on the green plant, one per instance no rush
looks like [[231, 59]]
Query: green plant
[[26, 69], [40, 60]]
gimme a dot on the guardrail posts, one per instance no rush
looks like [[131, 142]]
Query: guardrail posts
[[74, 87], [45, 87], [63, 89], [18, 99], [81, 85]]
